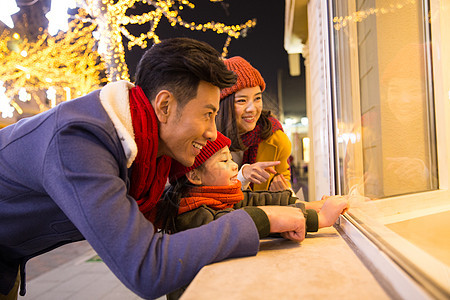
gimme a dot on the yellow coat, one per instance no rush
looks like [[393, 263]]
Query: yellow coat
[[277, 147]]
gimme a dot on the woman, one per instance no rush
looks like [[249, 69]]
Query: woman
[[256, 136]]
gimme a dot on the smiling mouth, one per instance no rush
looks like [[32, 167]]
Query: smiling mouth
[[197, 145], [249, 119]]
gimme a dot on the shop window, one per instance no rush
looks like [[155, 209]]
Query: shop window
[[389, 130]]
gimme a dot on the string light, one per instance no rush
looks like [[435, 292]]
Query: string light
[[112, 20], [225, 47], [51, 95], [5, 103], [78, 67], [28, 68], [359, 16]]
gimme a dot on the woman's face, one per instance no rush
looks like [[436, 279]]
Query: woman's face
[[248, 106], [219, 169]]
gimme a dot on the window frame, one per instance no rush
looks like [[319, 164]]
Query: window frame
[[411, 271]]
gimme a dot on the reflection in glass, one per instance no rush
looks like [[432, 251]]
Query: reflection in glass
[[385, 138]]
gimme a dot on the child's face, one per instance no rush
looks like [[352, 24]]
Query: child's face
[[219, 169]]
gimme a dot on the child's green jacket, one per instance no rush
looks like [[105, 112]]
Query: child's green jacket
[[204, 214]]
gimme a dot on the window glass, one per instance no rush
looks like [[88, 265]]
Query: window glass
[[385, 125]]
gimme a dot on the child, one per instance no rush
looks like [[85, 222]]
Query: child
[[209, 189]]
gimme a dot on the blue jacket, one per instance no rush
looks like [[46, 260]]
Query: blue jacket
[[63, 178]]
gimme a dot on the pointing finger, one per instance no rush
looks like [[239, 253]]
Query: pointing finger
[[270, 170], [265, 164]]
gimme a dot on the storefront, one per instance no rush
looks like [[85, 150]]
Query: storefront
[[378, 101]]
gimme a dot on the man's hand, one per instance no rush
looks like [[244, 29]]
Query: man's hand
[[289, 221], [279, 183], [259, 172], [331, 209]]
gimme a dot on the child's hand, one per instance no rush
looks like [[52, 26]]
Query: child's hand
[[331, 209], [316, 205]]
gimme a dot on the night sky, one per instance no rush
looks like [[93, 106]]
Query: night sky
[[262, 47]]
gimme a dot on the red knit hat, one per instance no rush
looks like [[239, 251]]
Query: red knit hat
[[177, 170], [247, 76]]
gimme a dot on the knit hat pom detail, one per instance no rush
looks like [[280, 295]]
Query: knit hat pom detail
[[177, 170], [247, 76]]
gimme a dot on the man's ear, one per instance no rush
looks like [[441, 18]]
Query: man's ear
[[164, 104], [194, 177]]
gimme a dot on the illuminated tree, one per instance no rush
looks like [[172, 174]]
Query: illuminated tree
[[112, 19], [65, 66], [57, 68]]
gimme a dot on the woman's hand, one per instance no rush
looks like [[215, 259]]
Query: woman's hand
[[259, 172], [279, 183]]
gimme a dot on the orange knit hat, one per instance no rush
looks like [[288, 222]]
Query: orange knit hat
[[247, 76]]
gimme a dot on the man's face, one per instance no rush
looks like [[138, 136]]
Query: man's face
[[187, 129], [219, 169]]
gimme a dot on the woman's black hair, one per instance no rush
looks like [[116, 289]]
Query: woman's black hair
[[227, 124]]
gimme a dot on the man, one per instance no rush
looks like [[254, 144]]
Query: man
[[94, 168]]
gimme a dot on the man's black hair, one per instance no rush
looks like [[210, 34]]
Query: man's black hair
[[178, 65]]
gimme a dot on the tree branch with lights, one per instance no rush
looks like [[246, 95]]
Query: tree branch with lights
[[66, 64], [111, 18]]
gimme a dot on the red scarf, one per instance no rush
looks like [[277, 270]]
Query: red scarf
[[252, 139], [215, 197], [149, 173]]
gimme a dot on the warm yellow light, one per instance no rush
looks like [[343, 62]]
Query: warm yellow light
[[17, 107], [111, 19], [78, 67], [306, 149], [359, 16], [67, 90]]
